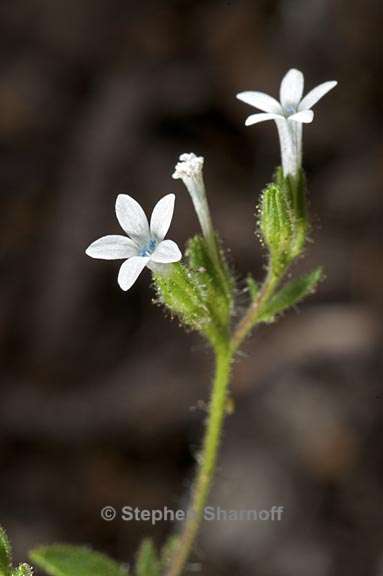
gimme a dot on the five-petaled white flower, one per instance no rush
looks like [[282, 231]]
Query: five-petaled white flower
[[289, 114], [145, 246]]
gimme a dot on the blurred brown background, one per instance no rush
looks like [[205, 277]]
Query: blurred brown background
[[100, 393]]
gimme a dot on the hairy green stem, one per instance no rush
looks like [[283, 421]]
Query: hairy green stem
[[223, 357], [208, 459], [249, 320]]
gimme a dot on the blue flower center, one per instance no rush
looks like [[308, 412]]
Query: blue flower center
[[148, 249], [290, 109]]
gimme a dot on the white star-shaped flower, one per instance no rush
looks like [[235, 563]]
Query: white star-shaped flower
[[144, 244], [289, 114]]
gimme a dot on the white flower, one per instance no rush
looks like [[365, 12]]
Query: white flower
[[189, 169], [289, 114], [145, 245]]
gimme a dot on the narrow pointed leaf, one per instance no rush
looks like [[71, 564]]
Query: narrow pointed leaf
[[168, 551], [291, 294], [147, 563], [66, 560]]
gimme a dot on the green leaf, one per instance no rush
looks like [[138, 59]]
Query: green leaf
[[147, 563], [66, 560], [253, 287], [23, 570], [168, 551], [5, 554], [291, 294]]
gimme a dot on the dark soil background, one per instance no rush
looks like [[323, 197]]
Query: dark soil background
[[101, 395]]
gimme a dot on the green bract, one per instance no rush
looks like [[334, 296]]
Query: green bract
[[290, 295]]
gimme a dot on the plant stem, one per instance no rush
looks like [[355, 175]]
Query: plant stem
[[250, 318], [208, 459], [224, 352]]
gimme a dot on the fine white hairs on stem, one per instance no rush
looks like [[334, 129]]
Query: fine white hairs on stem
[[189, 170], [290, 113]]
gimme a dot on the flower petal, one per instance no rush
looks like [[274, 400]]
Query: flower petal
[[291, 89], [261, 101], [112, 248], [130, 271], [316, 94], [305, 116], [162, 216], [167, 251], [261, 117], [290, 138], [158, 268], [132, 218]]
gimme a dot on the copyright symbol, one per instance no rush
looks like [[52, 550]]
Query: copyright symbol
[[108, 513]]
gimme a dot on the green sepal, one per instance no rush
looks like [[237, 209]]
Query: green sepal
[[290, 294], [294, 189], [147, 563], [66, 560], [213, 277], [5, 554], [277, 226]]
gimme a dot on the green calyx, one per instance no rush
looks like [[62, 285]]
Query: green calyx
[[201, 292], [294, 189], [283, 219], [276, 225]]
